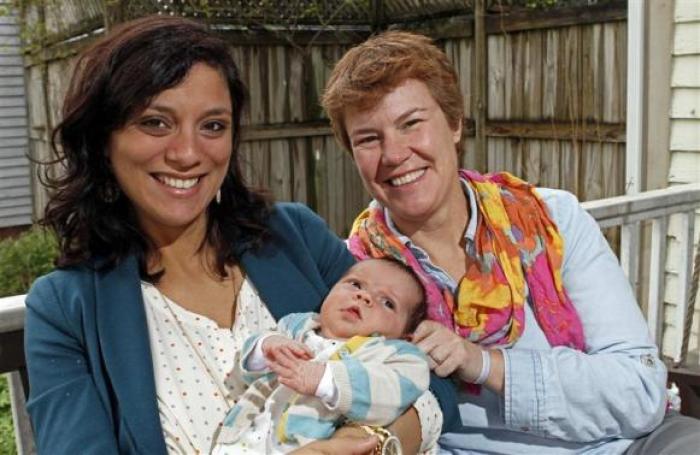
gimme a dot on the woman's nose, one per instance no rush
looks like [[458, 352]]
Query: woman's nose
[[395, 150], [363, 298], [182, 151]]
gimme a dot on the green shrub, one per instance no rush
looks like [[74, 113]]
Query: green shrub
[[7, 434], [25, 258]]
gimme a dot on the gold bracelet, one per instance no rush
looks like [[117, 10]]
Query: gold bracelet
[[388, 443]]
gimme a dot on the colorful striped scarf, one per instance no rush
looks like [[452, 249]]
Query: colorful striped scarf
[[517, 250]]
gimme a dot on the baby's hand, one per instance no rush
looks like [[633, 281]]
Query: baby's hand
[[276, 345], [299, 375]]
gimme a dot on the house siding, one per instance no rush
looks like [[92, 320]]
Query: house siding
[[15, 180], [685, 149]]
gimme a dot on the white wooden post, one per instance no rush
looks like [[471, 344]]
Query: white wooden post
[[629, 254], [657, 278], [634, 141], [684, 274]]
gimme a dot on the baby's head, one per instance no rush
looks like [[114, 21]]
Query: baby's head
[[376, 296]]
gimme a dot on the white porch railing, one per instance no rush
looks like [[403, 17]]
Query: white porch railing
[[658, 206], [626, 211]]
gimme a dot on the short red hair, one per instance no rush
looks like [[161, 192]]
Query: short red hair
[[368, 71]]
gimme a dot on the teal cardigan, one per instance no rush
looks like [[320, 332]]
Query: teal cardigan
[[92, 387]]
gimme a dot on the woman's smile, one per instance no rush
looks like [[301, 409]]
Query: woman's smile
[[177, 183], [408, 177]]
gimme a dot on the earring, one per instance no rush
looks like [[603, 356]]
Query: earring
[[218, 196], [109, 192]]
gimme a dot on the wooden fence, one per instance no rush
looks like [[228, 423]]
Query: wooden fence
[[552, 91]]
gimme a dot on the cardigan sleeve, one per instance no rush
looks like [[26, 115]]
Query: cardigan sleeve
[[63, 398]]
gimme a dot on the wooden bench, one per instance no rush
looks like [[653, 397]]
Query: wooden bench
[[629, 212]]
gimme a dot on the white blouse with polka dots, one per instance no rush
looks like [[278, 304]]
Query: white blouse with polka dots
[[193, 364]]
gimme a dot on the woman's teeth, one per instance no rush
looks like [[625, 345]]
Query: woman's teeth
[[407, 178], [181, 184]]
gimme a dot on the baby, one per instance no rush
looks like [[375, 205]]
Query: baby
[[347, 363]]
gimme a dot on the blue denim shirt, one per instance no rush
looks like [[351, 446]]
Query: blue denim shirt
[[559, 400]]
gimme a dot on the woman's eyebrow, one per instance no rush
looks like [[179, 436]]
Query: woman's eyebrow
[[360, 131], [169, 110], [408, 113], [398, 119], [218, 111]]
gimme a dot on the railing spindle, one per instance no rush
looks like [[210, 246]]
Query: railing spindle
[[629, 254], [684, 274], [657, 278]]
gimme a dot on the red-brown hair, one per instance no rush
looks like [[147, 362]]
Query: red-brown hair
[[368, 71]]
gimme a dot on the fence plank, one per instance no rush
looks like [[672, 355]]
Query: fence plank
[[302, 188], [532, 162], [277, 78], [280, 169], [550, 164], [517, 104], [569, 163], [297, 106], [572, 73], [256, 65], [591, 187]]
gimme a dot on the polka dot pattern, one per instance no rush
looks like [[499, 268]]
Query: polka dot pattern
[[430, 417], [193, 363]]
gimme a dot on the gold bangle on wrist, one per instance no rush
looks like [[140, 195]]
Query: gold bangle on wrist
[[388, 443]]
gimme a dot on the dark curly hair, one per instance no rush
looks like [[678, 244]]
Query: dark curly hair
[[114, 80]]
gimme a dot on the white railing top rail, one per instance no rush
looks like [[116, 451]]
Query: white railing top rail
[[11, 313], [620, 210]]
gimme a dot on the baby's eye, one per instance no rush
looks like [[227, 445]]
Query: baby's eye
[[389, 304], [356, 284]]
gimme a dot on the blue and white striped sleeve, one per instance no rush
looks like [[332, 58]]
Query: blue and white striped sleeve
[[379, 382]]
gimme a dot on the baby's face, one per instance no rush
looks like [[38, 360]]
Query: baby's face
[[374, 297]]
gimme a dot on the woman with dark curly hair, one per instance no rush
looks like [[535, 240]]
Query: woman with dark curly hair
[[168, 261]]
